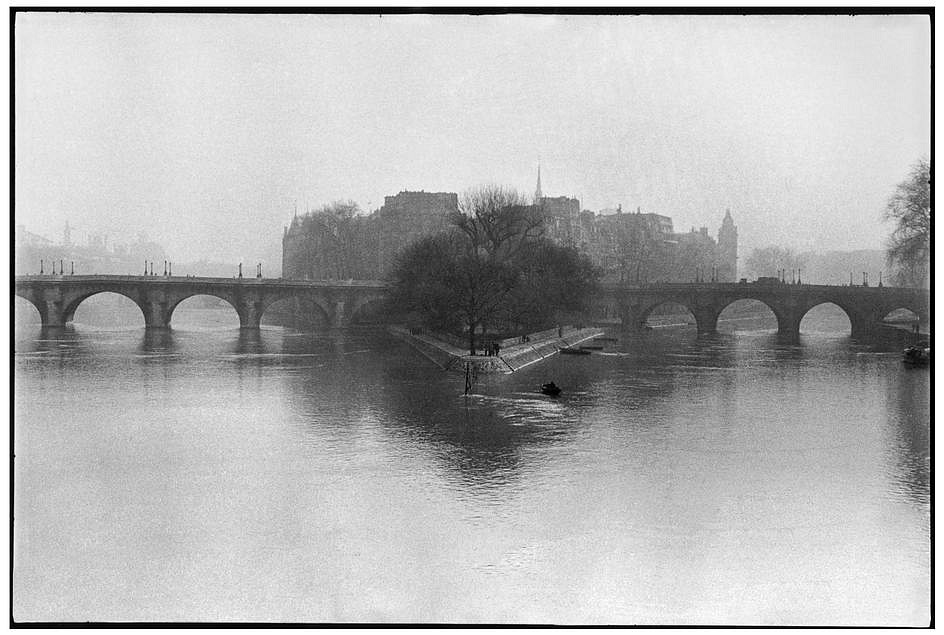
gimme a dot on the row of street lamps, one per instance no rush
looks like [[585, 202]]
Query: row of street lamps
[[168, 272], [61, 270], [148, 268], [865, 279]]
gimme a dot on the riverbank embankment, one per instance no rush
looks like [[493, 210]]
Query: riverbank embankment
[[905, 332], [513, 357]]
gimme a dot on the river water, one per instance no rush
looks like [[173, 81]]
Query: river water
[[205, 474]]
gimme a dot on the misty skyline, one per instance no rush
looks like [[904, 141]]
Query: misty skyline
[[204, 131]]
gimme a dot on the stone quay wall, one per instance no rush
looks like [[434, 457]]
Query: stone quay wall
[[515, 357]]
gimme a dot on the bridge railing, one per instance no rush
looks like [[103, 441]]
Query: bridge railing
[[61, 278], [766, 286], [295, 282]]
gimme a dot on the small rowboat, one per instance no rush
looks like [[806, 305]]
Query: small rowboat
[[573, 351], [550, 389]]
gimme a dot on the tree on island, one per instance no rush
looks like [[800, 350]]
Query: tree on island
[[909, 247], [334, 253], [493, 269]]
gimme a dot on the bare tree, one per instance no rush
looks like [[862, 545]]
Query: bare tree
[[447, 284], [497, 220], [493, 269], [909, 247], [333, 253]]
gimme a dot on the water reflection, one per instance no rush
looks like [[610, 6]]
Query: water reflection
[[678, 479], [341, 382], [158, 341], [250, 342], [907, 396]]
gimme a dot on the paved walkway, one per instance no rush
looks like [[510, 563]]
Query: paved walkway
[[510, 359]]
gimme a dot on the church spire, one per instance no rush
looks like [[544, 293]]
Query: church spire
[[537, 192]]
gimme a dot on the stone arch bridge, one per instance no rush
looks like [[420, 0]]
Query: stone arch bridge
[[57, 297], [865, 306]]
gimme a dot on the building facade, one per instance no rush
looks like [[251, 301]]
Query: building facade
[[337, 243], [728, 248]]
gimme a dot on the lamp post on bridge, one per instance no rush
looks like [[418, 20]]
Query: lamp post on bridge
[[240, 270], [40, 266]]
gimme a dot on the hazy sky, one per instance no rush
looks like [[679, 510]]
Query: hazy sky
[[204, 131]]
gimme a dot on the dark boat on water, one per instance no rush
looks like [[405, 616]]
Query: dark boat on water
[[591, 348], [573, 351], [551, 389], [917, 355]]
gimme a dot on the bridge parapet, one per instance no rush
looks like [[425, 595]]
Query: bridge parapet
[[286, 282]]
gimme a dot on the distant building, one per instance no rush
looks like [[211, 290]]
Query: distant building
[[727, 249], [35, 253], [562, 222], [639, 247], [632, 247], [23, 238], [408, 216], [322, 246]]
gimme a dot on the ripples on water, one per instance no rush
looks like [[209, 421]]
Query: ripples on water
[[207, 474]]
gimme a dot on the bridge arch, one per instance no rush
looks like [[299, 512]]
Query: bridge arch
[[646, 312], [26, 310], [783, 319], [37, 304], [175, 304], [860, 322], [315, 300], [750, 312], [70, 305], [850, 315], [911, 316]]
